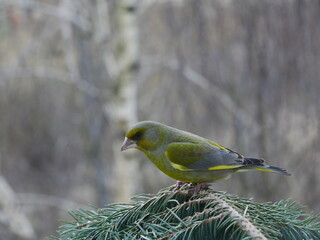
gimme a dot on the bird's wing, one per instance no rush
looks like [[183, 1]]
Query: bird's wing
[[192, 156]]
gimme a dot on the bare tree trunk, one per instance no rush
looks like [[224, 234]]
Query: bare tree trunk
[[125, 102]]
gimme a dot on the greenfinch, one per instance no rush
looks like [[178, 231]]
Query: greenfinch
[[187, 157]]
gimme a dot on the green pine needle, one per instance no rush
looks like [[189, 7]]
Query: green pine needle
[[180, 215]]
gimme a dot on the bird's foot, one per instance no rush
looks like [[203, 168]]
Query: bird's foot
[[197, 187], [178, 185]]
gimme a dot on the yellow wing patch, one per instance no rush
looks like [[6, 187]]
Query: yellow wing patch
[[184, 168], [258, 169], [263, 170], [219, 146], [179, 167], [220, 167], [224, 167]]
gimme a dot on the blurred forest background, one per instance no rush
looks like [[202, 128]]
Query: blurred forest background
[[75, 74]]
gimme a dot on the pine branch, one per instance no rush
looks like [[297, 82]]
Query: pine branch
[[180, 215]]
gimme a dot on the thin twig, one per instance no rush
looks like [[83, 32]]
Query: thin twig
[[53, 11], [42, 72], [199, 80]]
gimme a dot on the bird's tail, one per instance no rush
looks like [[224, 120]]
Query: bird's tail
[[258, 164]]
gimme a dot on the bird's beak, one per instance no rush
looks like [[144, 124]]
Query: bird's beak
[[128, 143]]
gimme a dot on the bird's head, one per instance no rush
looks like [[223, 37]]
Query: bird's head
[[145, 136]]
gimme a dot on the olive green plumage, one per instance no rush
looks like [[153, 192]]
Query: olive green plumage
[[187, 157]]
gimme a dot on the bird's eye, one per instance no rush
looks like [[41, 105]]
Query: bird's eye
[[137, 136]]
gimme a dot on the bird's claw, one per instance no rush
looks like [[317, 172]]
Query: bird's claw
[[178, 185], [195, 187], [198, 187]]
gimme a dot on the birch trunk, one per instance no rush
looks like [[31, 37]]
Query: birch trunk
[[125, 101]]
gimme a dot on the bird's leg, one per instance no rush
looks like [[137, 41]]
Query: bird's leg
[[196, 189], [178, 185]]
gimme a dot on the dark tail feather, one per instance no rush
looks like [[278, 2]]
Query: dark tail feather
[[277, 170], [258, 164], [253, 161]]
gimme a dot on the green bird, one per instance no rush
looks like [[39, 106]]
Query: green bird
[[187, 157]]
